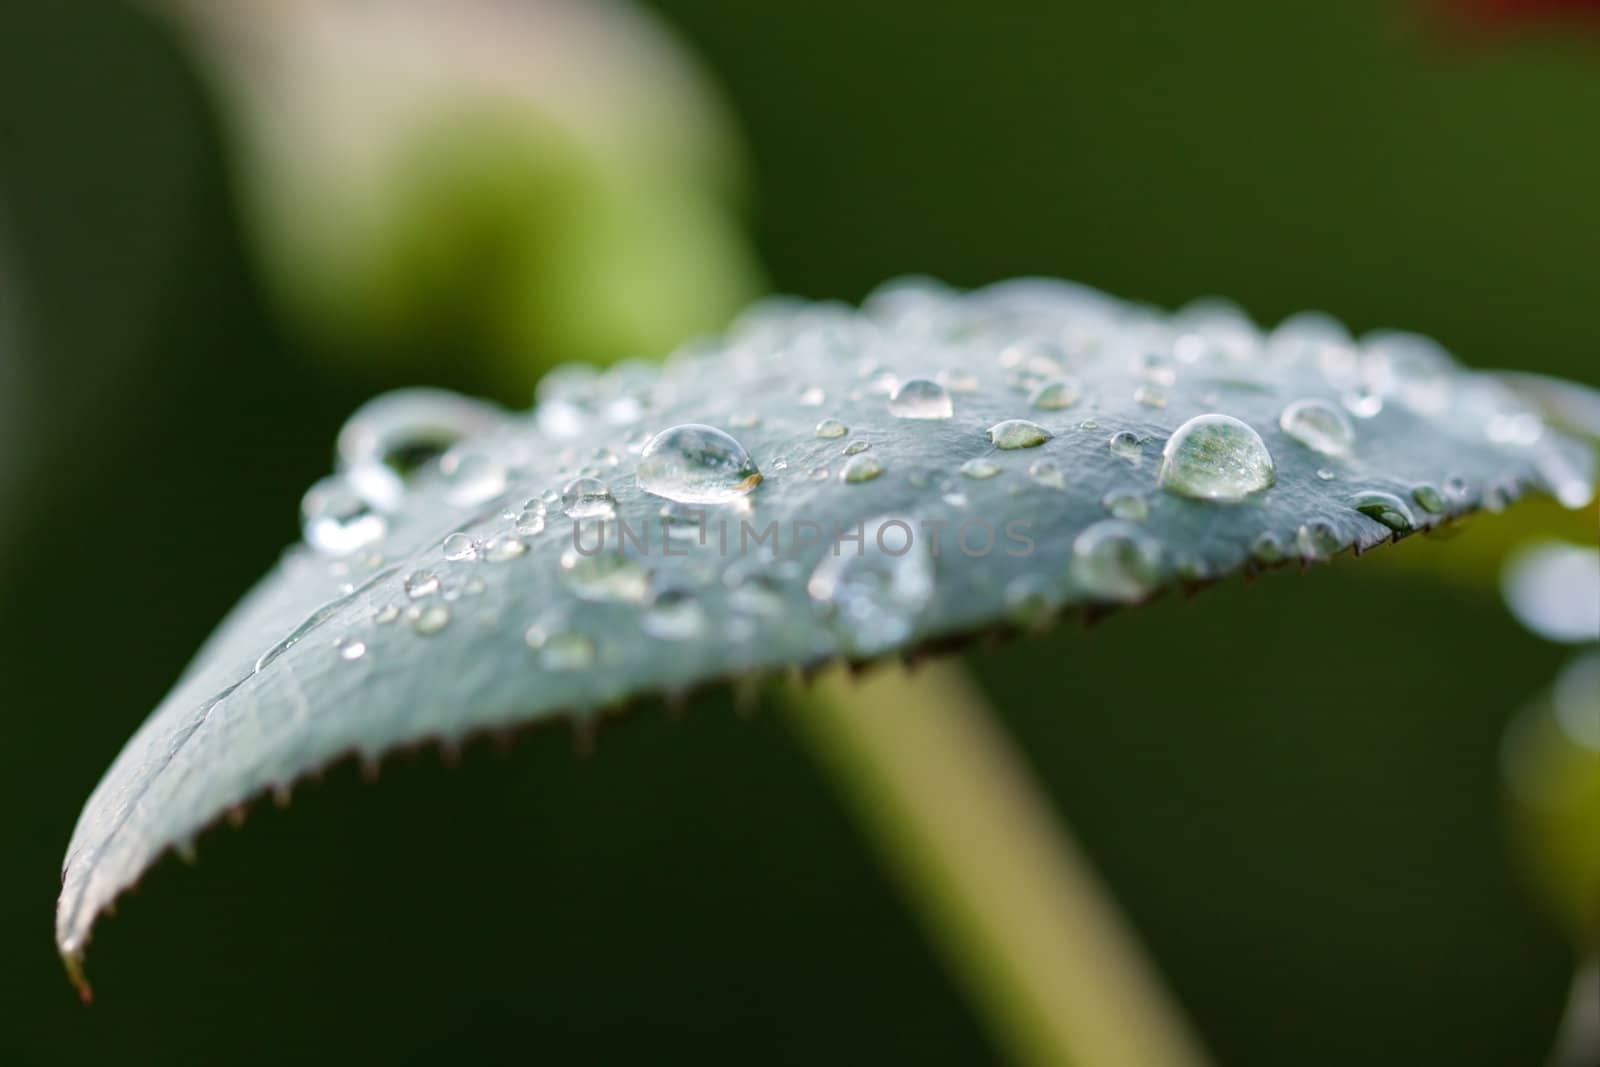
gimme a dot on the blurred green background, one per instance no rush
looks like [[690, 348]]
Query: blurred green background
[[1307, 833]]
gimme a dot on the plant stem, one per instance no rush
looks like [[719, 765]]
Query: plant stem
[[1022, 920]]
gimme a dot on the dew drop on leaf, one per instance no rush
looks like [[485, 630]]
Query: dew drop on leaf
[[1385, 508], [876, 589], [862, 468], [1216, 457], [831, 428], [1018, 433], [1056, 394], [979, 468], [696, 464], [920, 398], [1319, 426], [587, 498], [1126, 504], [336, 521], [1115, 560]]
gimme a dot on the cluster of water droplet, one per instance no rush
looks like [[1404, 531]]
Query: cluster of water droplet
[[1145, 447]]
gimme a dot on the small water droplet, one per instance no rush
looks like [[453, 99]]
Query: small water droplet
[[1032, 601], [1385, 508], [862, 468], [875, 590], [428, 619], [1458, 489], [1362, 404], [831, 428], [1056, 394], [811, 397], [352, 648], [1318, 540], [1047, 473], [1089, 425], [560, 651], [1325, 474], [696, 464], [1429, 499], [502, 549], [1126, 504], [1115, 560], [588, 498], [460, 548], [674, 615], [604, 576], [1267, 549], [856, 448], [1150, 396], [386, 614], [530, 520], [979, 468], [957, 381], [1217, 458], [920, 398], [1126, 443], [1319, 426], [420, 584], [336, 521], [1018, 433]]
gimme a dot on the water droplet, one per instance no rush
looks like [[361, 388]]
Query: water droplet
[[530, 520], [1318, 540], [1325, 474], [471, 477], [352, 648], [861, 468], [856, 448], [1387, 509], [1032, 601], [1126, 443], [811, 397], [979, 468], [674, 615], [831, 428], [1115, 560], [1267, 549], [604, 576], [502, 549], [744, 420], [1046, 473], [460, 547], [1458, 489], [1018, 433], [1057, 394], [1429, 499], [1215, 457], [695, 464], [875, 590], [428, 619], [386, 614], [392, 435], [560, 651], [588, 498], [919, 398], [1150, 396], [420, 584], [336, 521], [1362, 404], [1319, 426], [1126, 504], [957, 381]]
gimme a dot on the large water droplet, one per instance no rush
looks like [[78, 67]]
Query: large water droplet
[[391, 435], [336, 521], [1429, 499], [1018, 433], [1319, 426], [920, 398], [1115, 560], [875, 589], [1126, 443], [1318, 540], [831, 428], [1387, 509], [695, 464], [588, 498], [1215, 457]]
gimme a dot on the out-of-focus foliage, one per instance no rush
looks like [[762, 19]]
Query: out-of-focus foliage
[[528, 181]]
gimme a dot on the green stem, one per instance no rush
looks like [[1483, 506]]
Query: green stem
[[1022, 920]]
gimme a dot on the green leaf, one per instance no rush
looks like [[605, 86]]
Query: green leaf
[[1079, 452]]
